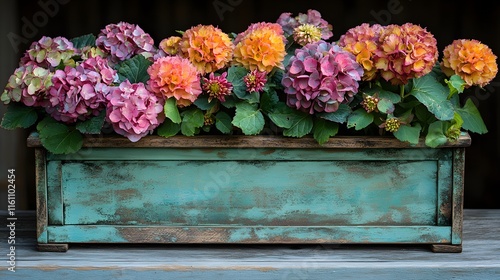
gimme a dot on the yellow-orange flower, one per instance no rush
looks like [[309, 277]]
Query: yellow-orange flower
[[170, 45], [362, 41], [262, 47], [173, 76], [473, 61], [207, 47]]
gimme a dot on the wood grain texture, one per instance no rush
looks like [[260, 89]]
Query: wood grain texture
[[479, 259], [257, 141]]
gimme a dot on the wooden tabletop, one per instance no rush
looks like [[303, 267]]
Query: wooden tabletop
[[480, 258]]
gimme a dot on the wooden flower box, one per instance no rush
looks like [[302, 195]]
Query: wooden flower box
[[250, 189]]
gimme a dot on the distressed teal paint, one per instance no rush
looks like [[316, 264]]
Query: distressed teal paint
[[54, 193], [86, 234], [250, 193], [458, 194], [255, 234]]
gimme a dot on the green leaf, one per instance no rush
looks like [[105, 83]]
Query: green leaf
[[134, 69], [456, 85], [324, 129], [192, 119], [409, 134], [339, 116], [248, 118], [436, 134], [223, 122], [84, 41], [472, 118], [202, 102], [434, 96], [229, 102], [302, 124], [58, 138], [385, 106], [359, 119], [92, 125], [424, 115], [235, 76], [269, 100], [18, 116], [282, 115], [171, 110], [168, 128]]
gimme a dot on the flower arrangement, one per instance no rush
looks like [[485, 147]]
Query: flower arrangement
[[287, 77]]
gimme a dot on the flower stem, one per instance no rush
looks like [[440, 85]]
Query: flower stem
[[402, 91]]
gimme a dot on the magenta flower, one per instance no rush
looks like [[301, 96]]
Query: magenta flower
[[133, 111], [320, 76], [217, 87], [255, 80], [124, 40]]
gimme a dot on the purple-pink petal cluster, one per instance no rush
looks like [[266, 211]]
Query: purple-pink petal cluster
[[78, 93], [133, 111], [50, 52], [124, 40], [320, 76]]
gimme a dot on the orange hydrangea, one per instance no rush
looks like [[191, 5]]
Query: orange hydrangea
[[472, 60], [405, 52], [170, 45], [362, 41], [207, 47], [261, 47], [173, 76]]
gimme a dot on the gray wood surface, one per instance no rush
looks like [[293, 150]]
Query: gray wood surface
[[480, 258]]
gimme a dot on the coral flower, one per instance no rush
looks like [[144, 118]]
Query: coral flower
[[473, 61], [217, 87], [176, 77], [255, 81], [362, 41], [261, 47], [207, 47], [405, 52]]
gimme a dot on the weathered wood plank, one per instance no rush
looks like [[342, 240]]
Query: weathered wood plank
[[250, 235], [458, 195], [41, 195], [249, 154], [257, 141]]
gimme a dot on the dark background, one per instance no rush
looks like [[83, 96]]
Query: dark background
[[24, 21]]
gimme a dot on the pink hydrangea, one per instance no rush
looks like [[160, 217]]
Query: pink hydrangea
[[50, 52], [77, 93], [320, 76], [133, 111], [101, 66], [124, 40]]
